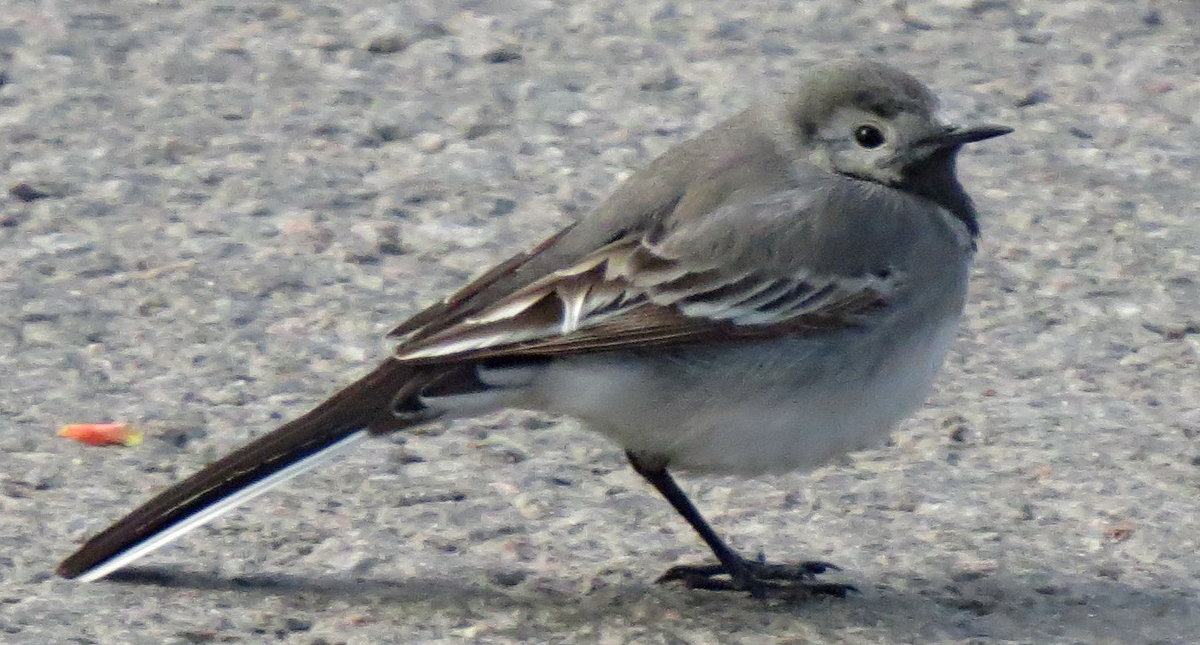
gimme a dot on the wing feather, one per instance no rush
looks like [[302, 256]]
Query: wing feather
[[628, 296]]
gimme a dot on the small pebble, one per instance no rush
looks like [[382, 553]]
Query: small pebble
[[430, 142]]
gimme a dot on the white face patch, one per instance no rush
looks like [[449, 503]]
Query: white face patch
[[942, 118]]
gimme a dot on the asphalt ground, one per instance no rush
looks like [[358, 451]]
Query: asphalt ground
[[213, 211]]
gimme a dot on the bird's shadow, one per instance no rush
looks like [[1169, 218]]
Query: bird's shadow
[[385, 590], [1009, 607]]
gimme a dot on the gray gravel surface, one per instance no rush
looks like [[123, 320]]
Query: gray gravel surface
[[212, 211]]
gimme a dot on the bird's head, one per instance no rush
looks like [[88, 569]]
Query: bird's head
[[870, 121]]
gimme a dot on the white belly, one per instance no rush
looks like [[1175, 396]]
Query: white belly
[[776, 406]]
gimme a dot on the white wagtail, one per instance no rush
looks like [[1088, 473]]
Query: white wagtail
[[777, 291]]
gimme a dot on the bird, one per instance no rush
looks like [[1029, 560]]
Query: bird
[[778, 291]]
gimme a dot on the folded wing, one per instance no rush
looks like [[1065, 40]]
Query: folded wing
[[656, 290]]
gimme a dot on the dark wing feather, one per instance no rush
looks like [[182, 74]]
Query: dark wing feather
[[628, 295], [459, 303]]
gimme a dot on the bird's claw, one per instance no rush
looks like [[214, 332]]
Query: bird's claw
[[761, 579]]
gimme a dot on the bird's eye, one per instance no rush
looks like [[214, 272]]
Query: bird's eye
[[868, 136]]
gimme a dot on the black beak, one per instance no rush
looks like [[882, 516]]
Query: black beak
[[955, 136]]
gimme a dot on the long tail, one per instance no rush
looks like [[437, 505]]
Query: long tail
[[342, 420]]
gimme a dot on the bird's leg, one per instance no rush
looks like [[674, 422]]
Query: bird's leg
[[760, 579]]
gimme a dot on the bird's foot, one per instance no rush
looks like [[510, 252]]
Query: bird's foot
[[761, 579]]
